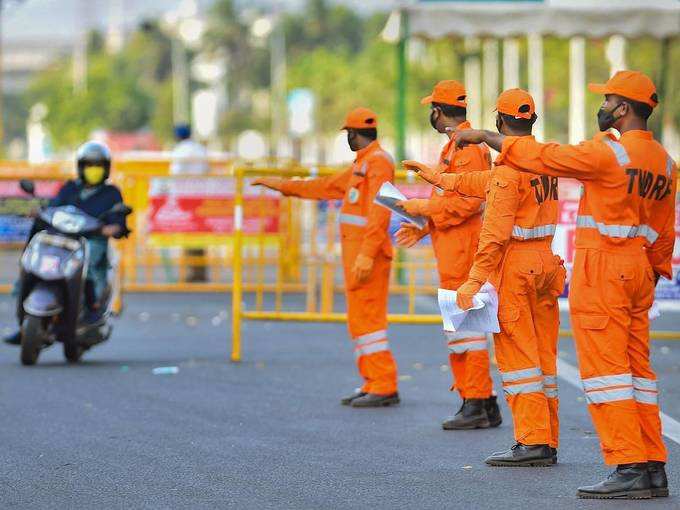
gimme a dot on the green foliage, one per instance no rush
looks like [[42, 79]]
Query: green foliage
[[331, 49], [113, 99]]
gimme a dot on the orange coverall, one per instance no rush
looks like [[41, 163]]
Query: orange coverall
[[514, 254], [625, 235], [363, 230], [455, 222]]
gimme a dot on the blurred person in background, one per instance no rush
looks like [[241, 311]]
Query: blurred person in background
[[190, 157]]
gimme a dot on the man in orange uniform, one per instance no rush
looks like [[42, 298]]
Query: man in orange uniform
[[366, 253], [514, 254], [624, 243], [454, 224]]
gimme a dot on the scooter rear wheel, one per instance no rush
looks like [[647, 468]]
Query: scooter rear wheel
[[33, 335]]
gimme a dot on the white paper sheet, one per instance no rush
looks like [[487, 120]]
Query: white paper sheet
[[388, 196], [654, 311], [483, 316]]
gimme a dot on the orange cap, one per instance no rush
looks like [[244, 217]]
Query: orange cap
[[361, 118], [449, 92], [516, 102], [631, 84]]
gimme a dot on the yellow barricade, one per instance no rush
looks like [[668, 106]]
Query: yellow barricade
[[282, 254], [307, 257]]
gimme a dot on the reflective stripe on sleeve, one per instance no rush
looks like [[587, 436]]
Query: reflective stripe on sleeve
[[619, 151], [533, 233], [618, 231], [353, 219]]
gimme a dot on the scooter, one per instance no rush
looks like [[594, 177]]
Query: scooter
[[52, 301]]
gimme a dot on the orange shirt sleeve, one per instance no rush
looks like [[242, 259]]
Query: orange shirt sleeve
[[581, 161], [473, 184], [331, 187], [379, 170], [660, 254], [502, 204], [453, 209]]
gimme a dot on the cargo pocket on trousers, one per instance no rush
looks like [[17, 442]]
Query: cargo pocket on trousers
[[592, 322], [508, 316]]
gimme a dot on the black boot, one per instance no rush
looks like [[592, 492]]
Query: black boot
[[657, 479], [535, 455], [629, 481], [493, 411], [373, 400], [348, 400], [553, 451], [471, 415], [13, 338]]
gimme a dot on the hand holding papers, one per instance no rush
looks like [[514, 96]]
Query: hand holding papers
[[483, 316], [388, 196]]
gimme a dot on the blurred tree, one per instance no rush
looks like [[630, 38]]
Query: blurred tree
[[113, 99]]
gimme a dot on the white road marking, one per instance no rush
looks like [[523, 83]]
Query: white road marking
[[569, 373]]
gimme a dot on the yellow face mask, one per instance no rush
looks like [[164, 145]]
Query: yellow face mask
[[93, 175]]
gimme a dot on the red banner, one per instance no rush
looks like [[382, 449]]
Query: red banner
[[206, 206]]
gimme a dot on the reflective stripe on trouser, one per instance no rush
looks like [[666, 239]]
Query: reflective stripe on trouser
[[469, 362], [367, 323], [526, 347], [609, 299]]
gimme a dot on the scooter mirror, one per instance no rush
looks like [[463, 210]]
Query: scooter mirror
[[27, 186]]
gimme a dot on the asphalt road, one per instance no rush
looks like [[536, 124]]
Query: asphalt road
[[269, 432]]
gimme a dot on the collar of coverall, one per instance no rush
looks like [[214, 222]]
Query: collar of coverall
[[638, 133], [499, 158], [362, 153], [452, 134]]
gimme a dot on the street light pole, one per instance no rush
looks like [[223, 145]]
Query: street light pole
[[180, 82], [277, 43], [2, 122]]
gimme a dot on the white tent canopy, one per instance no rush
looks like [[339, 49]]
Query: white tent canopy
[[564, 18], [483, 22]]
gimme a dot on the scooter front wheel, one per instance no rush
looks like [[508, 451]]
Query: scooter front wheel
[[73, 352], [33, 334]]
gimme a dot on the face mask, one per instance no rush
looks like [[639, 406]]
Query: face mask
[[605, 118], [499, 123], [93, 175], [433, 119], [352, 140]]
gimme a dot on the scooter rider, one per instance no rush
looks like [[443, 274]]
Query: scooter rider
[[94, 196]]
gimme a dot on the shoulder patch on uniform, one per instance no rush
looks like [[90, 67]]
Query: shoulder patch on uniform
[[384, 155]]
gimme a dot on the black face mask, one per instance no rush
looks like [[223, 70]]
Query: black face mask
[[605, 118], [352, 140], [433, 119], [499, 124]]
